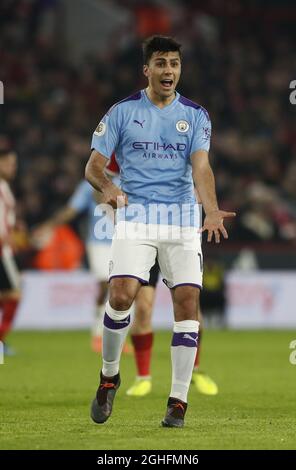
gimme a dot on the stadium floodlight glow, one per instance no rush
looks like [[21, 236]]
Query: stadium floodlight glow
[[1, 93]]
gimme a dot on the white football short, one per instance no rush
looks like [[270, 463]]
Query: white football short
[[99, 255], [135, 247]]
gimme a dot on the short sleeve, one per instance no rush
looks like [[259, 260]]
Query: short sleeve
[[106, 136], [201, 132]]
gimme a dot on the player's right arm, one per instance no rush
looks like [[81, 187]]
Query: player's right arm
[[63, 216], [105, 140], [95, 175]]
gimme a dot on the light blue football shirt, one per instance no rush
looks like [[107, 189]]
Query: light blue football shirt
[[153, 148]]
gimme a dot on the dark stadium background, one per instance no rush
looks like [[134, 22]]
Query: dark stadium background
[[61, 73]]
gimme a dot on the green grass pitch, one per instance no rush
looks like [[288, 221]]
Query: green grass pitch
[[45, 393]]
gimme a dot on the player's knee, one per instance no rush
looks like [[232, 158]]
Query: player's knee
[[121, 300], [186, 309]]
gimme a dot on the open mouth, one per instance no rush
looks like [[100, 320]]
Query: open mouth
[[166, 83]]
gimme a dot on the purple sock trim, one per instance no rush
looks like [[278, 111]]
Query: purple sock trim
[[116, 325], [185, 339]]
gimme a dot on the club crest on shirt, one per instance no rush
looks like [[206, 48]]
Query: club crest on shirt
[[101, 129], [182, 126]]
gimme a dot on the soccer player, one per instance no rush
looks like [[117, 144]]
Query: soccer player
[[98, 251], [142, 334], [9, 275], [161, 140]]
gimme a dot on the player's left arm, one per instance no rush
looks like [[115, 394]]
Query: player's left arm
[[204, 180]]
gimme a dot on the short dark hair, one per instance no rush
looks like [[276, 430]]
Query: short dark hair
[[159, 44]]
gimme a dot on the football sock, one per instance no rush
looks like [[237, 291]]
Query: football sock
[[143, 348], [183, 352], [97, 329], [196, 362], [116, 325], [9, 308]]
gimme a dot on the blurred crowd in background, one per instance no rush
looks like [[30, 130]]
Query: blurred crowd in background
[[236, 63]]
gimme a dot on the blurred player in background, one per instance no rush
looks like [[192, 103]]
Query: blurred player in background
[[161, 140], [9, 275], [98, 249]]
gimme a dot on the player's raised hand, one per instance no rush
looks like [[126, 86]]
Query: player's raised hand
[[114, 196], [213, 223]]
